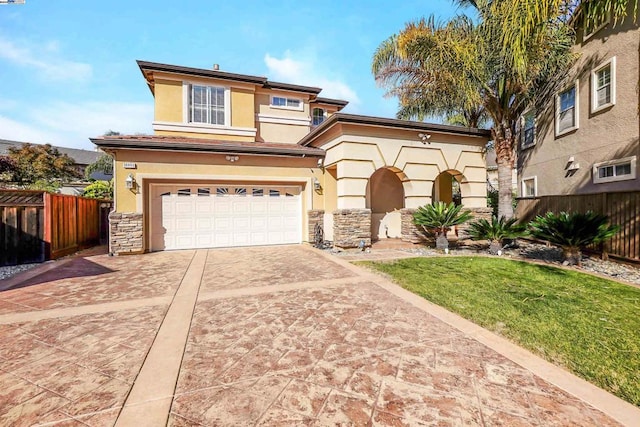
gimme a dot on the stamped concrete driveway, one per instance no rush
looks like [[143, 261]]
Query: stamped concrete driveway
[[263, 336]]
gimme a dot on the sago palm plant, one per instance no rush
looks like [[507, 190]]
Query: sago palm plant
[[496, 231], [573, 231], [438, 218]]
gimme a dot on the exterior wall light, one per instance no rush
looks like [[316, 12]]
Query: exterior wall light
[[130, 182], [316, 184], [232, 159]]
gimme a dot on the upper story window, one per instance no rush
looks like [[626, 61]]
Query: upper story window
[[567, 110], [317, 116], [207, 104], [593, 27], [603, 86], [528, 132], [615, 170], [530, 187], [283, 102]]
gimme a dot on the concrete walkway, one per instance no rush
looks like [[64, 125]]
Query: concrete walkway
[[263, 336]]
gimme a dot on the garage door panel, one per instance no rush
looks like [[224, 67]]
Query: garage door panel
[[233, 218]]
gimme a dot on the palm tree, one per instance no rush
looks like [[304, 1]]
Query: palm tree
[[461, 66]]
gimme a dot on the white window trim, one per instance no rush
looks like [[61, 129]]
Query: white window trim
[[522, 129], [594, 83], [204, 128], [576, 110], [300, 107], [185, 105], [535, 186], [586, 36], [632, 175]]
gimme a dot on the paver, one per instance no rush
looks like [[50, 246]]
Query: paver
[[277, 336]]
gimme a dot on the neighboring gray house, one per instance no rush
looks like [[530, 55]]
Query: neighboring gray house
[[81, 158], [587, 137]]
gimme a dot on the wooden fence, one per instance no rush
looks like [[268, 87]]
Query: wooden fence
[[38, 226], [622, 208]]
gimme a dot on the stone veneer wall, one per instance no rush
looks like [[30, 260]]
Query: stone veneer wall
[[350, 226], [409, 231], [478, 213], [125, 235], [316, 217]]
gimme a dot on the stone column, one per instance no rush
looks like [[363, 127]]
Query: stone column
[[478, 213], [409, 231], [316, 217], [351, 226], [126, 230]]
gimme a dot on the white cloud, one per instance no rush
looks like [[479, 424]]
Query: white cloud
[[45, 58], [71, 125], [309, 72]]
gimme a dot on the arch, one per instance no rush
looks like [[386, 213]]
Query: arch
[[450, 186], [385, 198]]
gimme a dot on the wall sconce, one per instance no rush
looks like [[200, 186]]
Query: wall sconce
[[424, 138], [130, 182], [232, 159], [316, 184]]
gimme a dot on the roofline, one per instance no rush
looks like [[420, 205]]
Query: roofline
[[330, 101], [223, 75], [391, 123], [147, 144]]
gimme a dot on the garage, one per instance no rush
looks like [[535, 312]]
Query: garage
[[195, 216]]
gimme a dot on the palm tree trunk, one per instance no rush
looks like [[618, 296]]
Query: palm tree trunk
[[504, 145]]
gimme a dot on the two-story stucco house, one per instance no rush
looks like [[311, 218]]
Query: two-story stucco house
[[587, 138], [240, 160]]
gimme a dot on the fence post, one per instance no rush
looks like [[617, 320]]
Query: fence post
[[48, 226]]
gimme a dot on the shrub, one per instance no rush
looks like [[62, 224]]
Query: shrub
[[99, 190], [573, 231], [496, 231], [438, 218]]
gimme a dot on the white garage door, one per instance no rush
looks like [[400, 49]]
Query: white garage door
[[215, 216]]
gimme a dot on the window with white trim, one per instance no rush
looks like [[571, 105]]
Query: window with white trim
[[283, 102], [615, 170], [528, 129], [207, 104], [593, 27], [567, 110], [317, 116], [530, 186], [603, 86]]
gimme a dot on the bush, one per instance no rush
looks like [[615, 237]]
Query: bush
[[99, 190], [573, 231], [438, 218], [496, 231]]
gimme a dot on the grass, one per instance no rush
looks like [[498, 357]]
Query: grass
[[587, 324]]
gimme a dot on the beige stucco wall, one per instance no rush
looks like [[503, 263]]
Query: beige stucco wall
[[358, 153], [282, 125], [174, 167], [168, 97], [605, 135]]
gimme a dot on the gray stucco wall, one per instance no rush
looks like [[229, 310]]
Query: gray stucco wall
[[610, 134]]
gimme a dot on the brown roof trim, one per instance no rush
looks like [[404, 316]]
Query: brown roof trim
[[391, 123], [330, 101], [296, 88], [155, 66], [207, 146], [223, 75]]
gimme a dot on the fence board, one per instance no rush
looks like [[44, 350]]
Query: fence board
[[37, 226], [622, 208]]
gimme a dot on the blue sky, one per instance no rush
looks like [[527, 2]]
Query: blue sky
[[68, 71]]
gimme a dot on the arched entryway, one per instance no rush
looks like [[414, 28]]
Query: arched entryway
[[385, 198], [448, 187]]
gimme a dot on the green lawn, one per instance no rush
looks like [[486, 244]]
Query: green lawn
[[589, 325]]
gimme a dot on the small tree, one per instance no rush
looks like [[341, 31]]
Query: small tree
[[103, 164], [99, 190], [496, 231], [7, 168], [41, 162], [438, 218], [573, 232]]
